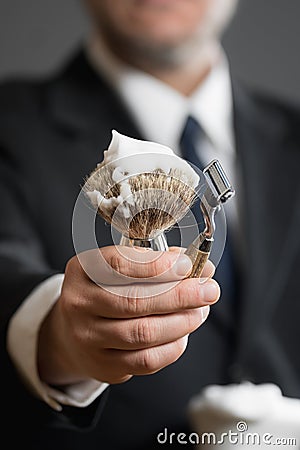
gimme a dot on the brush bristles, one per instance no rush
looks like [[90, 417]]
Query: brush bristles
[[157, 201]]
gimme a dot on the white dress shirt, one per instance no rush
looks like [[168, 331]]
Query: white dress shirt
[[160, 113]]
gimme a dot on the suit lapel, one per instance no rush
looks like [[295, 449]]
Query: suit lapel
[[82, 102], [270, 218]]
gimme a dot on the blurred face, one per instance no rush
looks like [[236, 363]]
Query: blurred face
[[159, 26]]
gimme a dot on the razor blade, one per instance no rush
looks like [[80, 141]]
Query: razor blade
[[219, 190], [219, 183]]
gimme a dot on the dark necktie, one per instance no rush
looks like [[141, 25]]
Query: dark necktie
[[190, 141], [192, 134]]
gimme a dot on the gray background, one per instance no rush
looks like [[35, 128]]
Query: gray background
[[262, 42]]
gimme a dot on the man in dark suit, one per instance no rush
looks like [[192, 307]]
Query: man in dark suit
[[67, 345]]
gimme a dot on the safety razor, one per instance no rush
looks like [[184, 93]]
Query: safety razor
[[217, 192]]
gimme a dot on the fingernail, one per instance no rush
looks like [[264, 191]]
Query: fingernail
[[205, 311], [210, 291], [183, 265], [186, 340]]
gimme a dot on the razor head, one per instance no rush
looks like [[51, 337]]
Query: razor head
[[219, 184]]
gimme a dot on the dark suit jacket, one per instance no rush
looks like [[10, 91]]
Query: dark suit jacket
[[52, 134]]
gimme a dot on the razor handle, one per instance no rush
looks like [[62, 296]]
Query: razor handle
[[198, 252]]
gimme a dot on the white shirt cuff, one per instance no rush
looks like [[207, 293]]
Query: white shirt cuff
[[22, 340]]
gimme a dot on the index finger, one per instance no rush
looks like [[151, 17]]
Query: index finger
[[114, 265]]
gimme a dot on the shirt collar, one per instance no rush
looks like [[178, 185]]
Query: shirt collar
[[159, 110]]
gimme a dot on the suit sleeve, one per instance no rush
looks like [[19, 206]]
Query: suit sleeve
[[22, 261], [23, 266]]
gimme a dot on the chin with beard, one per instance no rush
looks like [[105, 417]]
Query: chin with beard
[[147, 53]]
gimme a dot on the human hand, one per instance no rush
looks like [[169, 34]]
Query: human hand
[[122, 312]]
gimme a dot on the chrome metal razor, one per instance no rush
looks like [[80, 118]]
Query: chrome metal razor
[[218, 191]]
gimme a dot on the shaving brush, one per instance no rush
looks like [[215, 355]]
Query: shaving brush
[[142, 194]]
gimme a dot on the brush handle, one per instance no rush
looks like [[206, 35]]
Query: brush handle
[[198, 252], [159, 243]]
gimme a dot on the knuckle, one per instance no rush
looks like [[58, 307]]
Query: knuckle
[[143, 333], [72, 309], [161, 265], [194, 293], [79, 335], [133, 291], [179, 297], [189, 294], [148, 361], [124, 267], [130, 306], [193, 319], [73, 303], [116, 263]]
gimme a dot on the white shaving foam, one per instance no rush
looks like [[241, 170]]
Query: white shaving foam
[[130, 156]]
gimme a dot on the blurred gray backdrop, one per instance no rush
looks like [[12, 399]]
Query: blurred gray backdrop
[[262, 42]]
